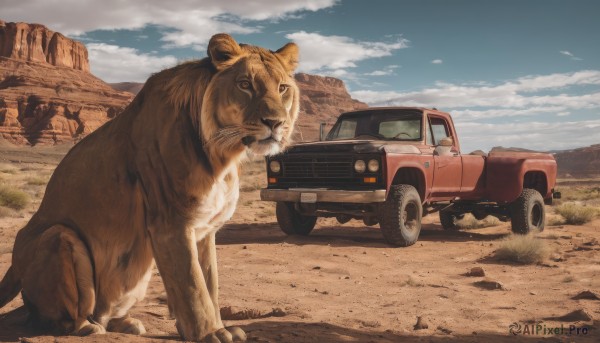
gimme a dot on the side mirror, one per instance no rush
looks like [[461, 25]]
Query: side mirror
[[322, 131], [447, 141], [444, 147]]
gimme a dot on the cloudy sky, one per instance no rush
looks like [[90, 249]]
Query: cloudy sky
[[512, 73]]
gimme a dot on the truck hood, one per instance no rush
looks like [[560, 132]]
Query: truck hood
[[355, 146]]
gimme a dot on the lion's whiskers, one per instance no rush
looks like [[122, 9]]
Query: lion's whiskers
[[227, 137]]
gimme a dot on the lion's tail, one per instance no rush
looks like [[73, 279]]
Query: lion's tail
[[9, 287]]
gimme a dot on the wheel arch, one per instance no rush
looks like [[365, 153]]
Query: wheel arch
[[411, 176], [536, 179]]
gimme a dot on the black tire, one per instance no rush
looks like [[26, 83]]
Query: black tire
[[400, 218], [528, 212], [291, 222], [447, 219]]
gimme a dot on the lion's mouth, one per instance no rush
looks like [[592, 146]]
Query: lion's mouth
[[251, 139]]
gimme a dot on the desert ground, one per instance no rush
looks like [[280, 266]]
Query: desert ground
[[343, 283]]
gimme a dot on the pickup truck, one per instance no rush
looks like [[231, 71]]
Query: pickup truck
[[393, 165]]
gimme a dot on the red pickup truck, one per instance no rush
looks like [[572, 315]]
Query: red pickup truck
[[390, 166]]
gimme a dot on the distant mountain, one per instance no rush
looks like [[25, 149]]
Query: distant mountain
[[47, 94], [131, 87], [581, 162]]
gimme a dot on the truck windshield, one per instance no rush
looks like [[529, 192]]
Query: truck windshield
[[384, 125]]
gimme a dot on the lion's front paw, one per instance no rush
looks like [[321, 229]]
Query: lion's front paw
[[226, 335], [90, 329], [126, 325], [237, 333]]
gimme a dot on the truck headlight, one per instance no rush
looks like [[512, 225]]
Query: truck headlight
[[275, 166], [373, 166], [360, 166]]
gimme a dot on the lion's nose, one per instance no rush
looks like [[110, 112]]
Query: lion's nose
[[272, 123]]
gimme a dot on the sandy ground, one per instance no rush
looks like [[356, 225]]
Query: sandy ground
[[345, 284]]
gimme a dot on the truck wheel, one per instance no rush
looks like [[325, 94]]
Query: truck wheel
[[447, 219], [528, 212], [291, 222], [401, 213]]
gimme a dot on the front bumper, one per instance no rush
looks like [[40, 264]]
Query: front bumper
[[312, 195]]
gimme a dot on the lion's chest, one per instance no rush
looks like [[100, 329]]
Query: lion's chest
[[216, 207]]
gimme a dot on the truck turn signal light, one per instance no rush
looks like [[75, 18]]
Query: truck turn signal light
[[370, 180]]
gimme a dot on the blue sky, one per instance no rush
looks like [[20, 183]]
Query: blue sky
[[513, 73]]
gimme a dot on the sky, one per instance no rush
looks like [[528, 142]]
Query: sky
[[513, 73]]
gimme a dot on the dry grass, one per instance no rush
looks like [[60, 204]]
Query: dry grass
[[576, 214], [580, 193], [470, 222], [522, 249], [13, 198], [412, 282], [6, 212], [553, 220], [250, 187], [36, 181]]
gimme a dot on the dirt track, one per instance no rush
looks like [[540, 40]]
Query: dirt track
[[345, 284]]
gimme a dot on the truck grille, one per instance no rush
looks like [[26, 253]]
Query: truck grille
[[320, 167], [333, 171]]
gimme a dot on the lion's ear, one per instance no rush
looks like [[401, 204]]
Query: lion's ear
[[223, 50], [289, 56]]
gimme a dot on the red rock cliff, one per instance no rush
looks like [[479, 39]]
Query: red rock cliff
[[322, 99], [47, 94], [34, 42]]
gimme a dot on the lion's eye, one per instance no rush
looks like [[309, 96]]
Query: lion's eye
[[283, 88], [244, 84]]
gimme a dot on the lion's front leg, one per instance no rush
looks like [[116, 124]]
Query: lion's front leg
[[207, 255], [176, 256]]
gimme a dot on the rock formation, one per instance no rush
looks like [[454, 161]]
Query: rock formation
[[581, 162], [47, 94], [322, 99], [34, 42]]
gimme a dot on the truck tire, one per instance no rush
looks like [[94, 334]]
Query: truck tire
[[528, 212], [447, 219], [400, 218], [291, 222]]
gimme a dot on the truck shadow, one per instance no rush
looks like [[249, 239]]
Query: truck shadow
[[269, 233]]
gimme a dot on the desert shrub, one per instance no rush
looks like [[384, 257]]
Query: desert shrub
[[470, 222], [36, 181], [13, 198], [576, 214], [580, 193], [555, 220], [5, 212], [523, 249]]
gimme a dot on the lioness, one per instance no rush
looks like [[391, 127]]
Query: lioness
[[156, 182]]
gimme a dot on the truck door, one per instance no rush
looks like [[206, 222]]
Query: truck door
[[447, 175]]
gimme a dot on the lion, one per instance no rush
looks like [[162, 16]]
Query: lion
[[154, 184]]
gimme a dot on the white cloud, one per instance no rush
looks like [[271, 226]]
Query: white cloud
[[320, 53], [511, 94], [437, 61], [568, 53], [113, 63], [387, 70], [518, 102], [194, 21], [535, 135]]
